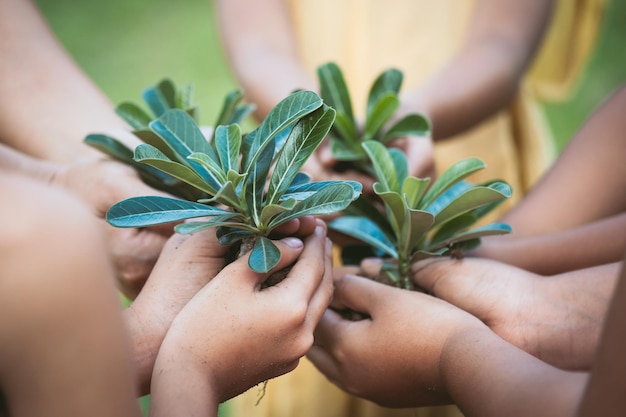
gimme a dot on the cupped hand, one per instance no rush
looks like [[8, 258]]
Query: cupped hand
[[236, 334], [558, 319], [102, 182], [391, 357]]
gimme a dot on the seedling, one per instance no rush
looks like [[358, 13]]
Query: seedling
[[346, 136], [252, 182], [159, 99], [419, 221]]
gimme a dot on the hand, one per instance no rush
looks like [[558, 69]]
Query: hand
[[233, 334], [558, 319], [101, 183], [392, 357]]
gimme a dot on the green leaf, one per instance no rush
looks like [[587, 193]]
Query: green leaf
[[365, 230], [228, 107], [134, 115], [383, 165], [334, 90], [330, 199], [471, 199], [343, 152], [228, 145], [305, 137], [110, 146], [344, 129], [388, 82], [151, 210], [229, 220], [364, 207], [151, 138], [272, 210], [424, 254], [410, 125], [161, 97], [184, 97], [211, 165], [453, 227], [227, 195], [150, 155], [452, 175], [284, 115], [413, 189], [227, 235], [182, 133], [264, 255], [255, 183], [487, 230], [382, 110], [401, 166], [394, 205], [416, 224], [303, 191]]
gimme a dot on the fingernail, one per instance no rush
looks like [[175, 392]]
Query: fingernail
[[293, 242]]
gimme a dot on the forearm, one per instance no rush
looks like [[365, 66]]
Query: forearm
[[562, 251], [486, 376], [12, 161], [483, 77], [145, 347], [179, 390], [259, 43], [58, 105]]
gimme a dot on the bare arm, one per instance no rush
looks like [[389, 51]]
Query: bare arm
[[259, 43], [65, 351], [483, 77], [581, 199], [53, 104]]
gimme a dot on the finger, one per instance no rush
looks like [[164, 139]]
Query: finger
[[340, 271], [307, 273], [370, 267], [358, 294], [290, 248], [324, 293], [324, 362]]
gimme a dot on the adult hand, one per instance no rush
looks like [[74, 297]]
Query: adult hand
[[102, 182], [558, 319], [392, 356], [234, 334]]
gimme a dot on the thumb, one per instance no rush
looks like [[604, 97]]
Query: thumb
[[358, 294], [290, 248]]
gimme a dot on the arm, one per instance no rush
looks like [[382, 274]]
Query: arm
[[60, 318], [259, 43], [49, 106], [580, 199], [483, 77], [233, 334], [557, 318]]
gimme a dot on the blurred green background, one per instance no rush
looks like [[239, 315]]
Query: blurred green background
[[127, 45]]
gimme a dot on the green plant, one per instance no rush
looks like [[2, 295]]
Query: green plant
[[419, 221], [252, 181], [159, 99], [346, 136]]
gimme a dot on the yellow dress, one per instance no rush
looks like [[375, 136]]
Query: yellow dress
[[365, 37]]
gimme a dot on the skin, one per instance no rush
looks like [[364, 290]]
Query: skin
[[37, 69], [50, 354], [550, 243], [261, 333], [421, 350], [481, 79]]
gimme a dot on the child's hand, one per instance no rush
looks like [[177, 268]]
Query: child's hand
[[233, 334], [392, 357]]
